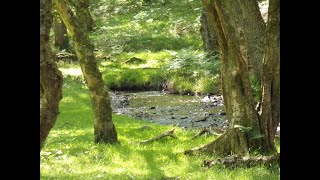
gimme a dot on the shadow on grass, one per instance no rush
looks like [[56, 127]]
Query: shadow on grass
[[159, 43]]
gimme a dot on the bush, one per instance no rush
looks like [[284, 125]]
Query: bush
[[208, 85], [190, 71]]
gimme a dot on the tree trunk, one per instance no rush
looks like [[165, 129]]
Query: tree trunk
[[270, 107], [244, 132], [50, 76], [210, 43], [104, 129], [60, 34], [83, 13], [253, 35]]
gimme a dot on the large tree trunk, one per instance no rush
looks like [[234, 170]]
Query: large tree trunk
[[244, 132], [270, 108], [104, 129], [253, 35], [50, 76], [60, 34], [210, 43]]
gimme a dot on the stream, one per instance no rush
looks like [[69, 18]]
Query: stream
[[170, 109]]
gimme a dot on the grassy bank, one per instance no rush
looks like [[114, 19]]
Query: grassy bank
[[185, 73], [70, 153]]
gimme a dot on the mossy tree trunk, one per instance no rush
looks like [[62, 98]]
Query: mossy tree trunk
[[270, 106], [60, 34], [210, 42], [50, 76], [248, 130], [252, 36], [104, 129], [82, 12]]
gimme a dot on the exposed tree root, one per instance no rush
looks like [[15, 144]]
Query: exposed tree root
[[219, 146], [236, 161], [231, 142], [205, 131], [169, 133], [202, 132]]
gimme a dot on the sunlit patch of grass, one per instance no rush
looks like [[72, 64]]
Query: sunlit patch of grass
[[70, 153], [71, 71], [135, 27], [152, 59]]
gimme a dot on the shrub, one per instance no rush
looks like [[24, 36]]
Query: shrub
[[208, 85]]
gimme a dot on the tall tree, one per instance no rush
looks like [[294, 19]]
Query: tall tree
[[50, 76], [249, 128], [270, 108], [104, 129], [249, 36]]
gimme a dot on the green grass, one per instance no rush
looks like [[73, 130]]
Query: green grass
[[162, 34], [134, 27], [70, 153]]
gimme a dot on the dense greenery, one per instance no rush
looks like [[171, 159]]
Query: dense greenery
[[70, 152], [164, 35]]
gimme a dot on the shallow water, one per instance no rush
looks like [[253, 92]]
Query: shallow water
[[183, 111]]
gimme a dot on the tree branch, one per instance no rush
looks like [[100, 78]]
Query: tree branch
[[169, 133]]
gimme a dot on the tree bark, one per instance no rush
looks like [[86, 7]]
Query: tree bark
[[50, 76], [104, 129], [82, 12], [60, 34], [245, 132], [253, 35], [250, 35], [210, 43], [270, 106]]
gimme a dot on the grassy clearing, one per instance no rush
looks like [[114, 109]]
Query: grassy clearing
[[163, 34], [70, 153]]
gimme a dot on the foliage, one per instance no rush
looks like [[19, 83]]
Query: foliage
[[164, 35], [70, 153], [193, 71], [256, 87]]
